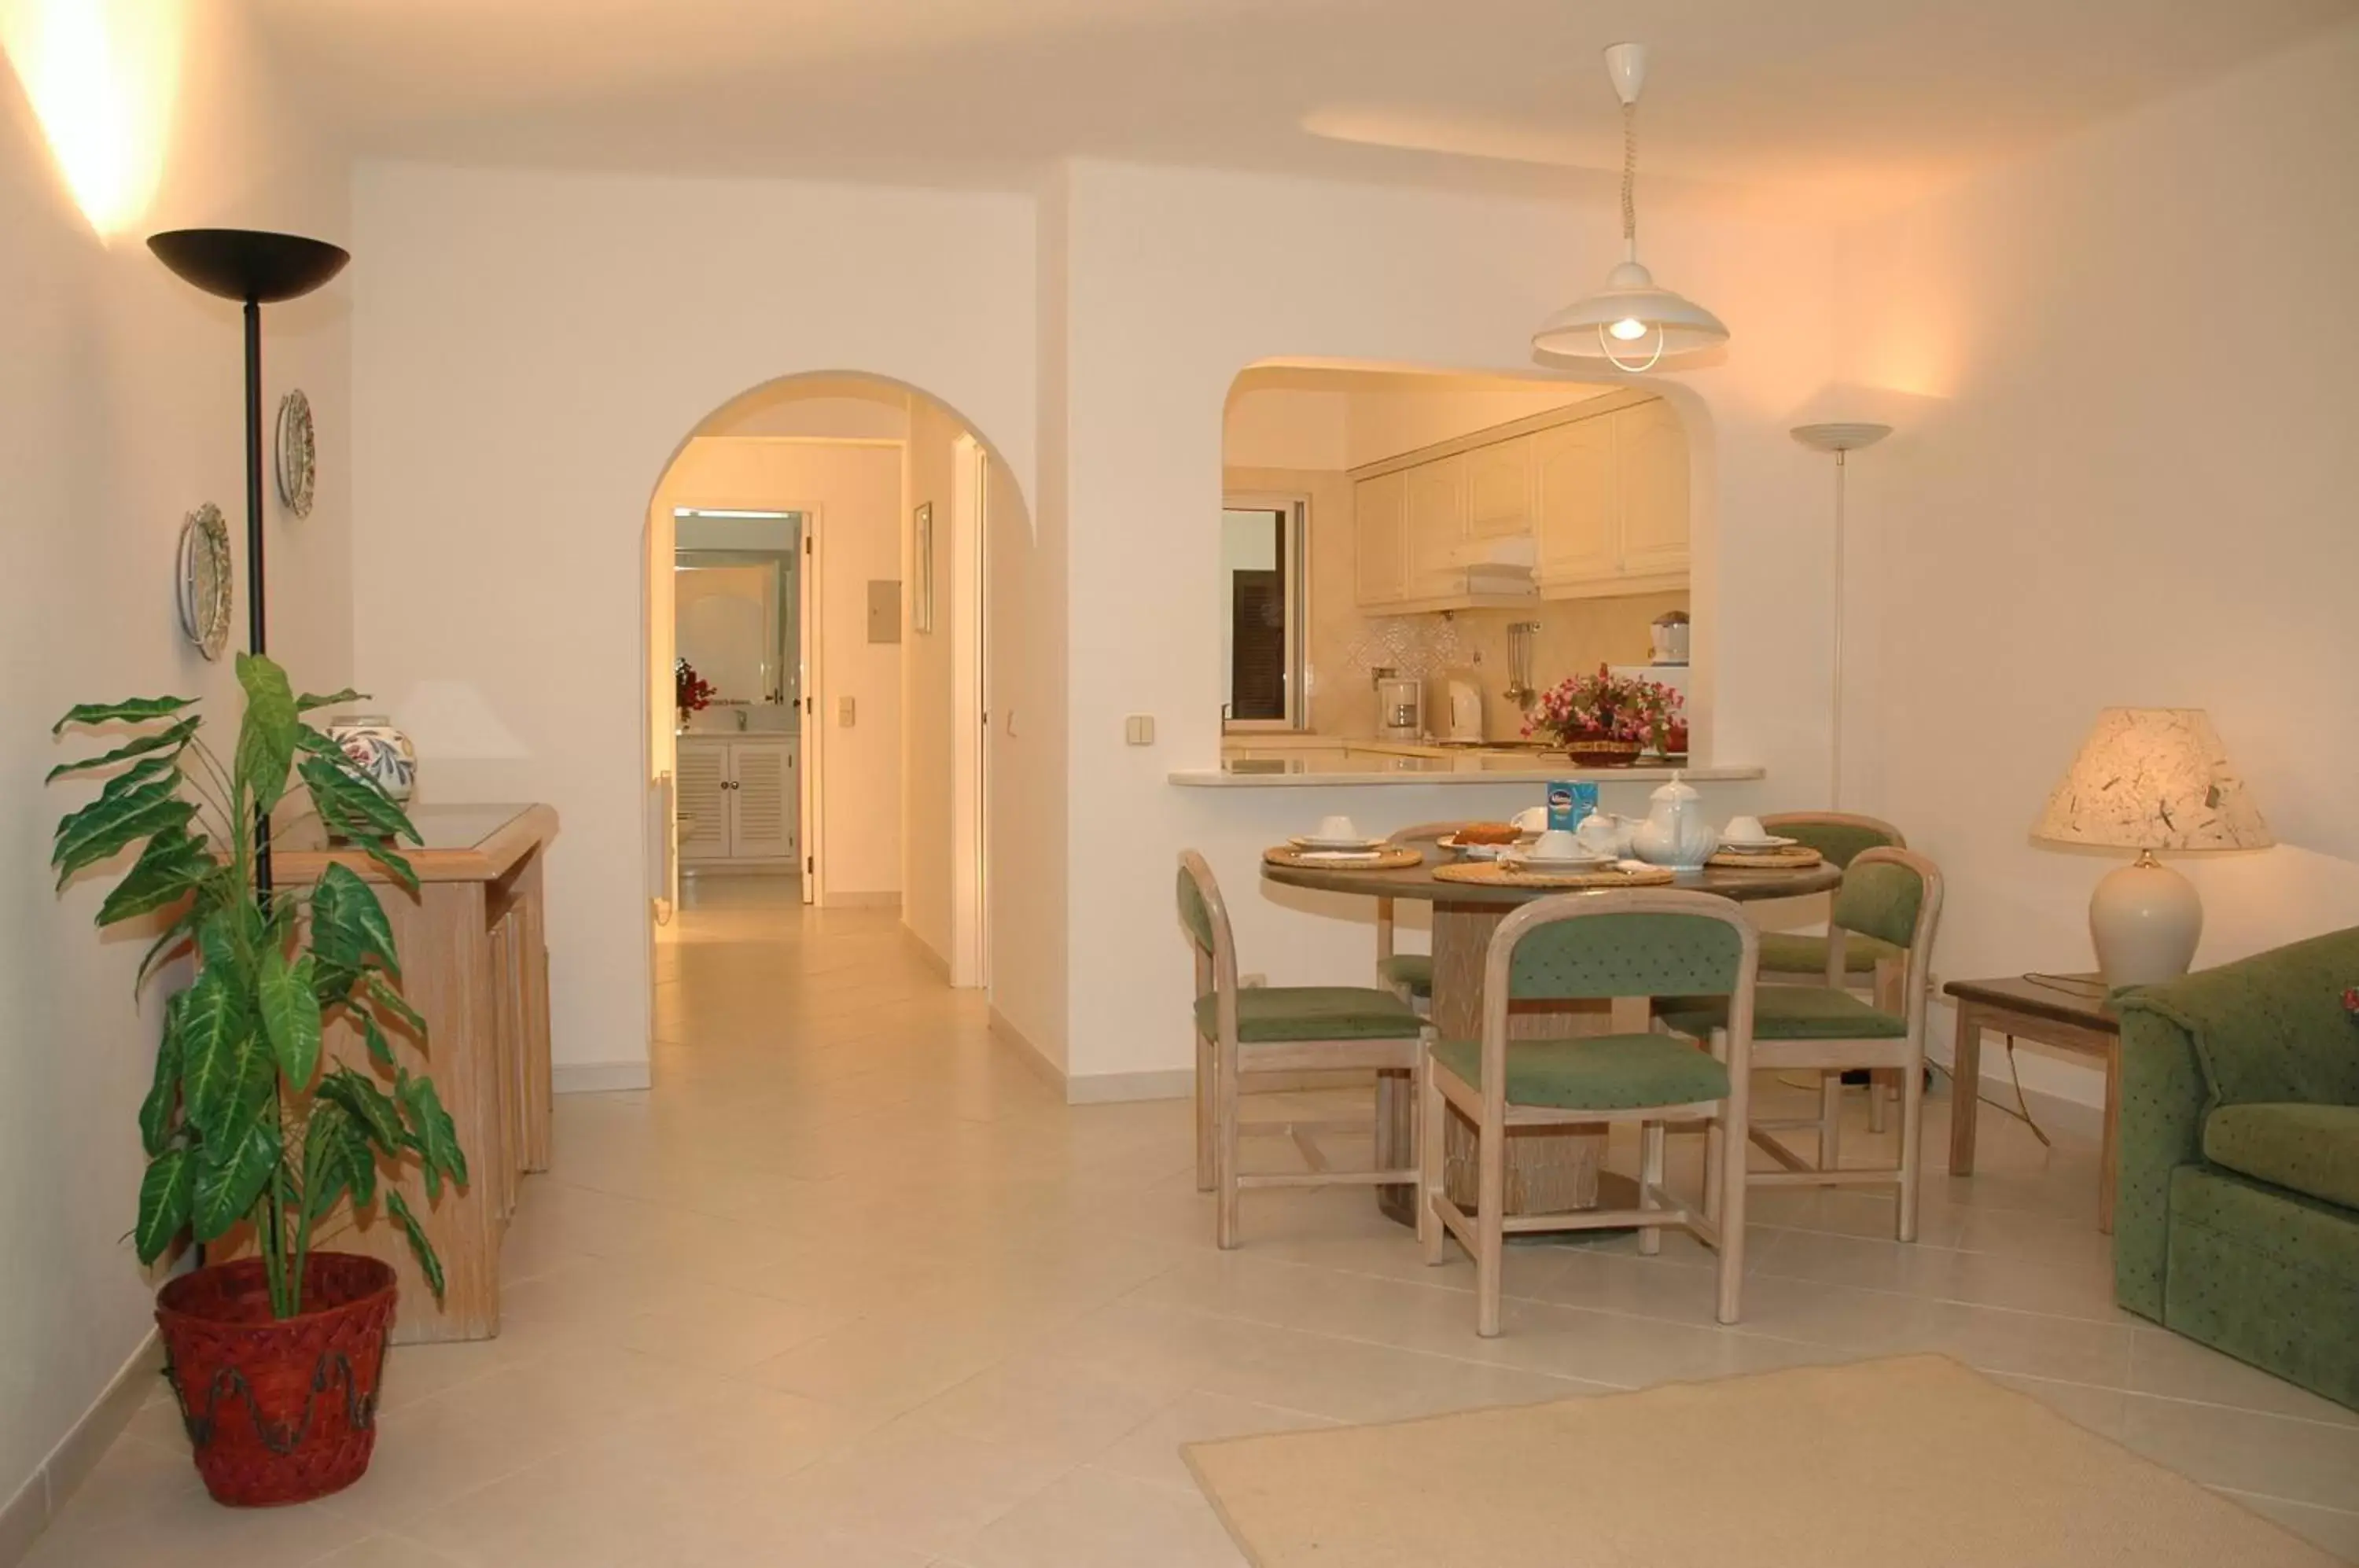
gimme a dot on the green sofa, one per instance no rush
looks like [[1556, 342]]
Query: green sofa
[[2236, 1209]]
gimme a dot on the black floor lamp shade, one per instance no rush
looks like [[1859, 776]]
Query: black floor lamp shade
[[249, 265]]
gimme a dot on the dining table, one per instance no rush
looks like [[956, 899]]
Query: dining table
[[1550, 1170]]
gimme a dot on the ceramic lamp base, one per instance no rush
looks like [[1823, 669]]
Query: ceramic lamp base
[[2146, 919]]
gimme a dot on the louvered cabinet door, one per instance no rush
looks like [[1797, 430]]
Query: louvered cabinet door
[[762, 799], [701, 803]]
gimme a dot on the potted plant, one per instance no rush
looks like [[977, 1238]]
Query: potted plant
[[692, 693], [1603, 720], [274, 1357]]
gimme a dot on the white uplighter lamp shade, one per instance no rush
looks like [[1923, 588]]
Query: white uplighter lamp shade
[[2149, 779]]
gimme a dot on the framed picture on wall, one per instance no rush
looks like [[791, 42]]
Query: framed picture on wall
[[922, 570]]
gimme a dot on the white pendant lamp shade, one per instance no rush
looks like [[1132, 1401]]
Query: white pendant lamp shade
[[1632, 322]]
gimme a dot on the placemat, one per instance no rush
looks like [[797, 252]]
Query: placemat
[[1491, 873], [1793, 859], [1398, 858]]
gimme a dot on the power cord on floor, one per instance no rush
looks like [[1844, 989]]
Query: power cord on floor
[[2020, 1110]]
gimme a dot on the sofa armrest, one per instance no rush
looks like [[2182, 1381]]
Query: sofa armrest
[[2270, 1028], [2163, 1100]]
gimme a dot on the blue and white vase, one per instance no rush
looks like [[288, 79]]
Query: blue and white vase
[[376, 750]]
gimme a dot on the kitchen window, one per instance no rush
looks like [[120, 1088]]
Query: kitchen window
[[1262, 611]]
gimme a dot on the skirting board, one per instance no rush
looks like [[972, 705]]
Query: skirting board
[[1031, 1055], [46, 1493], [861, 901], [598, 1077], [938, 966]]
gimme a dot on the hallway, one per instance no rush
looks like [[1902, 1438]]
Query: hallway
[[851, 1287]]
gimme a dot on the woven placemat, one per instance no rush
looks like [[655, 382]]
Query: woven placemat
[[1398, 858], [1793, 859], [1491, 873]]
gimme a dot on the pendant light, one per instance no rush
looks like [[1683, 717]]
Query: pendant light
[[1630, 316]]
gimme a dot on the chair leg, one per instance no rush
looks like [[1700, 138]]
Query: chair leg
[[1735, 1112], [1876, 1087], [1205, 1174], [1715, 1151], [1431, 1111], [1490, 1229], [1830, 1119], [1225, 1137], [1650, 1177], [1912, 1141]]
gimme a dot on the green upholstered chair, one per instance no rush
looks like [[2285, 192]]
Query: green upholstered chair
[[1277, 1028], [2237, 1187], [1408, 976], [1642, 941], [1895, 897], [1806, 958]]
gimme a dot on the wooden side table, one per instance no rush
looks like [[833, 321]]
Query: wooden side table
[[2016, 1005]]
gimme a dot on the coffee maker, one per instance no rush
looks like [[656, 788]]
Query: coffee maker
[[1400, 706]]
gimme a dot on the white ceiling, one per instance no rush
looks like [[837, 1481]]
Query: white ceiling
[[1760, 101]]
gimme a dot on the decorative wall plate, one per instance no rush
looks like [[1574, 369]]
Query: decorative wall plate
[[204, 579], [297, 457]]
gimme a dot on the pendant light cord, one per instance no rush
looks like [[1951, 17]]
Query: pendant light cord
[[1630, 177]]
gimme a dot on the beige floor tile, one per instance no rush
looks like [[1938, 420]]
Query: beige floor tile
[[385, 1552], [2275, 1456], [917, 1487], [2330, 1529], [1091, 1519], [1151, 1451], [2171, 1365]]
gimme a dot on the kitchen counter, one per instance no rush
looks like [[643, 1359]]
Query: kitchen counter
[[1312, 761]]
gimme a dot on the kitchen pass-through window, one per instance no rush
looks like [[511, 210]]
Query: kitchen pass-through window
[[1262, 611]]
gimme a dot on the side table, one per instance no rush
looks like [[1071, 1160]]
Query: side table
[[2016, 1005]]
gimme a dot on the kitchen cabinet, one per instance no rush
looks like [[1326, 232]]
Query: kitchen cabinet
[[1436, 527], [1380, 540], [1613, 510], [1499, 489], [739, 800]]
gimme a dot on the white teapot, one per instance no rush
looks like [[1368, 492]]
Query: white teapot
[[1675, 832]]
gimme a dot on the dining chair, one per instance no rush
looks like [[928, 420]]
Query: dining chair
[[1279, 1029], [1640, 941], [1408, 976], [1893, 895], [1861, 964]]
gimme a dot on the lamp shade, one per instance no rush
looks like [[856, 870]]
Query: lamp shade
[[2153, 778], [1584, 328]]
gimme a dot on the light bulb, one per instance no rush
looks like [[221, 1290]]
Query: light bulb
[[1629, 329]]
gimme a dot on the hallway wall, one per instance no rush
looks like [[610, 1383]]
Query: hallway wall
[[122, 410]]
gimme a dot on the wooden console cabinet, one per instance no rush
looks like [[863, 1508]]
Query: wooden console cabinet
[[474, 961]]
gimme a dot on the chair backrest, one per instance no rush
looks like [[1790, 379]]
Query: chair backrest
[[1635, 941], [1205, 920], [1838, 836], [1895, 896]]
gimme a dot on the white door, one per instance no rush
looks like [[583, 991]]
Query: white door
[[762, 799], [701, 775]]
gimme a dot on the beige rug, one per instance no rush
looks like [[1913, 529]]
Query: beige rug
[[1914, 1461]]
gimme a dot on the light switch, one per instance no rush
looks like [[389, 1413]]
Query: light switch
[[1138, 729], [844, 712]]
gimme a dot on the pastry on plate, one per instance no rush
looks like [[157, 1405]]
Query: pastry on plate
[[1488, 833]]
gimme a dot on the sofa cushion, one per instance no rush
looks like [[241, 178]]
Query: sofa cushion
[[2309, 1149], [1595, 1073], [1275, 1015]]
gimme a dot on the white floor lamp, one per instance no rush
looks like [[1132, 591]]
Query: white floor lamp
[[1841, 439]]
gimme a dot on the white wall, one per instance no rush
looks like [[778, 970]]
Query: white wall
[[119, 411], [1289, 427], [2107, 489], [1387, 424], [1407, 278], [851, 495], [530, 350]]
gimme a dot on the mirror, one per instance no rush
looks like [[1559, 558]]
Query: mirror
[[735, 601]]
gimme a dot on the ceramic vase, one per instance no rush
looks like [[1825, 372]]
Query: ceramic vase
[[377, 750]]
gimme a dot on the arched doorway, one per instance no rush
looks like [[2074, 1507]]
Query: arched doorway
[[817, 545]]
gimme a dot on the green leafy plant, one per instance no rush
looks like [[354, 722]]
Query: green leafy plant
[[244, 1121]]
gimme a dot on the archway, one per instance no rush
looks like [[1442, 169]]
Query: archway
[[857, 762]]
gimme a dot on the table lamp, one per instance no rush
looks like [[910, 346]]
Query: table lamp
[[2149, 779]]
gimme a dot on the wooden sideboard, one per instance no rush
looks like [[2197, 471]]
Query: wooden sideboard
[[474, 963]]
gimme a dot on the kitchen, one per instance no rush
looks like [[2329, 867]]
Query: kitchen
[[1410, 560]]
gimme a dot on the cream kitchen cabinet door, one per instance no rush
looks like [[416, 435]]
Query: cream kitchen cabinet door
[[1499, 489], [1380, 540], [1650, 466], [1573, 503], [739, 799], [1436, 527]]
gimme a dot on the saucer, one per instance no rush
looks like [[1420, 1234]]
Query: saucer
[[1555, 862], [1312, 841], [1768, 845]]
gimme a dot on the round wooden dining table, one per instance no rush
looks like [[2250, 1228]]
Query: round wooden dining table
[[1550, 1170]]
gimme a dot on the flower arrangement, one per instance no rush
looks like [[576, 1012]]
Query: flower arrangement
[[1606, 710], [692, 693]]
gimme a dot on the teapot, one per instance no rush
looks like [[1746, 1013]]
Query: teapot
[[1675, 832]]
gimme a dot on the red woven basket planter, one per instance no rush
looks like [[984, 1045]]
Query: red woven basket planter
[[278, 1410]]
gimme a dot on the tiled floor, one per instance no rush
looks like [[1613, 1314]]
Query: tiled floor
[[851, 1288]]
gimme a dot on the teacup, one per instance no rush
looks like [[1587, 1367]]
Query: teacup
[[1743, 830], [1599, 834], [1556, 844], [1531, 820], [1337, 828]]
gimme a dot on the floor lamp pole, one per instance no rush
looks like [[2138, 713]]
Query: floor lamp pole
[[1842, 439]]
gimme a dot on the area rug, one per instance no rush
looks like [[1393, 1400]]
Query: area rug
[[1911, 1461]]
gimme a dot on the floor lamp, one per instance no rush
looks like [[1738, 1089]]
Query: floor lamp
[[1841, 439], [255, 268]]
